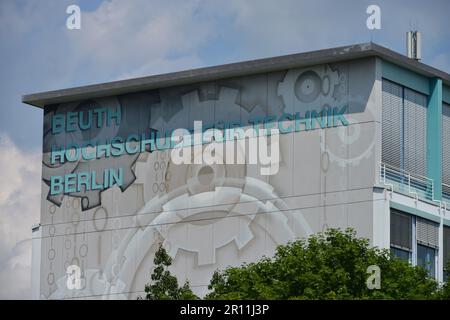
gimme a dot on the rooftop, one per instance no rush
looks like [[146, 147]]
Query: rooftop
[[231, 70]]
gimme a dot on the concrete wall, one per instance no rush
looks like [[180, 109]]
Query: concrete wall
[[231, 215]]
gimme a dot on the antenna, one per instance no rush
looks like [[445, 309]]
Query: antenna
[[414, 45]]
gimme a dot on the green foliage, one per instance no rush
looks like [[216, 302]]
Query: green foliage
[[164, 286], [444, 293], [445, 290], [330, 265]]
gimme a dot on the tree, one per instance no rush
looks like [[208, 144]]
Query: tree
[[330, 265], [164, 285], [444, 292]]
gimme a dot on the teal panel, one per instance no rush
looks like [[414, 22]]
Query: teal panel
[[414, 211], [446, 222], [405, 77]]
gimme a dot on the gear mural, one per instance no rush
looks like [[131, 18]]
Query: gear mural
[[311, 88], [351, 145], [91, 198], [207, 216]]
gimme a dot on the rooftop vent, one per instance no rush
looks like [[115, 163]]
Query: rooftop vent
[[414, 45]]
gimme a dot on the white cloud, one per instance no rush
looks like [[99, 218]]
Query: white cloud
[[118, 38], [19, 209], [138, 37]]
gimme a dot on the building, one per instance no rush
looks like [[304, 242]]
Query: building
[[364, 142]]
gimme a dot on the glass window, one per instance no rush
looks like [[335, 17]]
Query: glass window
[[426, 258], [401, 254], [446, 251]]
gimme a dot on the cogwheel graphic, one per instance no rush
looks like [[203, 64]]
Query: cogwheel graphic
[[235, 229], [92, 198], [151, 169], [310, 88], [231, 224], [362, 143], [89, 199], [48, 172]]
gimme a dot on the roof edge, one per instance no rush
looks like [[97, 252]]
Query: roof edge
[[231, 70]]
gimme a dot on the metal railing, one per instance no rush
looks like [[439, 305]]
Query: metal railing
[[404, 182]]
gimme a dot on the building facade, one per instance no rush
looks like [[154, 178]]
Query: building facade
[[362, 136]]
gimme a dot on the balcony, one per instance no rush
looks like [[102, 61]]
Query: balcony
[[404, 182]]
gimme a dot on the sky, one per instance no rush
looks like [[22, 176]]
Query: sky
[[124, 39]]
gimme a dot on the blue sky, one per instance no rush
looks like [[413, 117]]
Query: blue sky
[[123, 39]]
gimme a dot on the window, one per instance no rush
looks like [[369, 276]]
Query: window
[[426, 257], [446, 251], [414, 132], [427, 234], [392, 124], [404, 118], [401, 234], [401, 254], [416, 240]]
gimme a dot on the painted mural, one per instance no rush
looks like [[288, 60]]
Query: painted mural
[[111, 191]]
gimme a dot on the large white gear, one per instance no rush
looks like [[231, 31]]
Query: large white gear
[[345, 139], [122, 263], [235, 227], [115, 278], [310, 88]]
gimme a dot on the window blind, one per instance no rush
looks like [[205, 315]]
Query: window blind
[[415, 135], [401, 230], [446, 147], [392, 123], [404, 128], [427, 233]]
